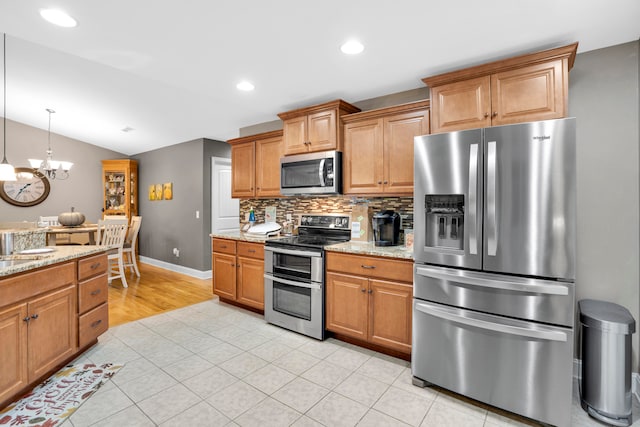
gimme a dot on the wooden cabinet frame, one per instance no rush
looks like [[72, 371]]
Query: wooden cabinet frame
[[255, 165], [378, 149], [524, 88], [315, 128]]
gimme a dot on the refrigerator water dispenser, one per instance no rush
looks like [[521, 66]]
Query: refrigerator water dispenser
[[444, 218]]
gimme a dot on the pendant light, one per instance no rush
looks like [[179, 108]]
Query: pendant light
[[52, 169], [7, 172]]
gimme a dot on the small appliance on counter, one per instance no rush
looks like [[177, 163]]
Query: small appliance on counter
[[265, 229], [386, 228]]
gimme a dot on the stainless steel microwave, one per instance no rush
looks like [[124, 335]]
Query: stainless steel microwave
[[312, 174]]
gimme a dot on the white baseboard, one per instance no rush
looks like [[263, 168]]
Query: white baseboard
[[635, 378], [177, 268]]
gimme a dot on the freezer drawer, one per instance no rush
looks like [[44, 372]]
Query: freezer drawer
[[519, 366], [538, 300]]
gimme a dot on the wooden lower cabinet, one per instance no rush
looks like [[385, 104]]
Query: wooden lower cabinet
[[238, 272], [370, 299], [13, 357], [40, 320]]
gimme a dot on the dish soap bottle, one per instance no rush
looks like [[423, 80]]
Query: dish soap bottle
[[252, 216]]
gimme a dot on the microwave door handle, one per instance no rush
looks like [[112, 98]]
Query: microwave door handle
[[491, 326], [321, 172], [473, 199]]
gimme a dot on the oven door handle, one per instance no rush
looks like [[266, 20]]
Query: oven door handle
[[540, 287], [292, 283], [292, 252], [491, 326]]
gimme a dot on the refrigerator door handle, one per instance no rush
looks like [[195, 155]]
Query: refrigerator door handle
[[540, 287], [477, 322], [491, 227], [473, 199]]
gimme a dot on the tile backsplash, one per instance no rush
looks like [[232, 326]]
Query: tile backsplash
[[338, 204]]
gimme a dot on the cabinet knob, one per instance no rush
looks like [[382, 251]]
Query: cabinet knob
[[379, 182], [96, 292], [363, 290], [495, 113], [486, 115], [34, 316], [26, 319], [370, 291], [368, 266], [386, 182], [96, 323]]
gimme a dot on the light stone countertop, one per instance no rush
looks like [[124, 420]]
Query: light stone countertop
[[244, 237], [369, 248], [33, 261], [358, 248]]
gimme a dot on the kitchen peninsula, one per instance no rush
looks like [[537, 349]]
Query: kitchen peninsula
[[53, 306]]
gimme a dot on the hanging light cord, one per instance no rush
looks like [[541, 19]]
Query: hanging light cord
[[4, 103]]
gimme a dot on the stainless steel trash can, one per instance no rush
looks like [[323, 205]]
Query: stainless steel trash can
[[605, 387]]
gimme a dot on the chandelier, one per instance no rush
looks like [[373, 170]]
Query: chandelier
[[7, 172], [50, 168]]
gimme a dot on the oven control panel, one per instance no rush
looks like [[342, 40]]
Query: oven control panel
[[325, 221]]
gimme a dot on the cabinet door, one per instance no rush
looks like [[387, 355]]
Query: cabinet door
[[224, 275], [346, 305], [461, 105], [537, 92], [242, 170], [399, 131], [13, 353], [268, 153], [295, 135], [251, 282], [322, 133], [362, 160], [52, 330], [390, 314]]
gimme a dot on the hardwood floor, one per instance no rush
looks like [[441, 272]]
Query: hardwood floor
[[156, 290]]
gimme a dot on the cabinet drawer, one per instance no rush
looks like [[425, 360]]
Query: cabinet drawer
[[224, 246], [92, 266], [23, 286], [371, 267], [92, 293], [251, 250], [93, 324]]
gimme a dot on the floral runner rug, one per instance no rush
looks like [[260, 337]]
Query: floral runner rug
[[51, 402]]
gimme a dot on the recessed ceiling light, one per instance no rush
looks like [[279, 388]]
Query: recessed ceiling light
[[58, 17], [352, 47], [245, 85]]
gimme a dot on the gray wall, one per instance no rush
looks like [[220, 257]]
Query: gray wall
[[603, 96], [168, 224], [81, 190]]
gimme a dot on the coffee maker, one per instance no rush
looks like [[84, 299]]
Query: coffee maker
[[386, 228]]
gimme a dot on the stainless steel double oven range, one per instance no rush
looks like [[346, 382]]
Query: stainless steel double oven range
[[294, 289]]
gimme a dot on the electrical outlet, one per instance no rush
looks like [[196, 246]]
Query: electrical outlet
[[288, 217], [197, 214], [176, 252]]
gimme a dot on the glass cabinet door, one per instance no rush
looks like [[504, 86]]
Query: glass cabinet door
[[120, 187]]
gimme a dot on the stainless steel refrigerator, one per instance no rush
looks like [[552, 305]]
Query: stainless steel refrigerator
[[494, 250]]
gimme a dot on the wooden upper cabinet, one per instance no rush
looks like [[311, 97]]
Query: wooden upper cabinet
[[378, 149], [268, 153], [255, 165], [521, 89], [243, 170], [316, 128]]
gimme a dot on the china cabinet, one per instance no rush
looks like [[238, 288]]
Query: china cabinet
[[120, 187]]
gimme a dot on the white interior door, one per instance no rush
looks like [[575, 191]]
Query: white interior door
[[225, 211]]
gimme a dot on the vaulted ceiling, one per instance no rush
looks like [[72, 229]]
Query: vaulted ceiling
[[169, 69]]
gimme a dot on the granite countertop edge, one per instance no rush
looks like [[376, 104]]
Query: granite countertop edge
[[59, 254], [356, 248]]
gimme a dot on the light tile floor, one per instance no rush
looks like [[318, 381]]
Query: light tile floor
[[212, 364]]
